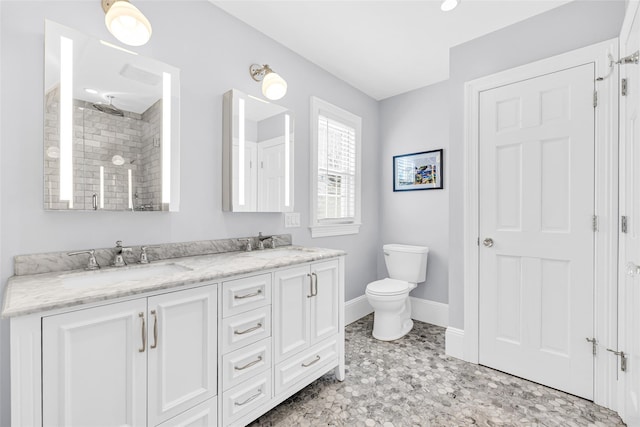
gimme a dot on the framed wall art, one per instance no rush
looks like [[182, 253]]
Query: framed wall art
[[418, 171]]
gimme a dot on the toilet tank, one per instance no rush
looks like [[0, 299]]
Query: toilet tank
[[406, 262]]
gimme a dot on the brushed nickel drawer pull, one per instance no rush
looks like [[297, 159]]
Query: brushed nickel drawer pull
[[155, 329], [315, 284], [254, 397], [254, 294], [246, 331], [310, 285], [248, 365], [316, 360], [144, 333]]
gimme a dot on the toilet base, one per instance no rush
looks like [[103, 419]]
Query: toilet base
[[391, 317], [407, 325]]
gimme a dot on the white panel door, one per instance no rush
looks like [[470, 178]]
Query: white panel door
[[536, 151], [182, 351], [291, 314], [247, 199], [324, 303], [629, 292], [94, 369], [271, 175]]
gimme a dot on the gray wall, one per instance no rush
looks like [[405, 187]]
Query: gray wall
[[409, 123], [213, 51], [577, 24]]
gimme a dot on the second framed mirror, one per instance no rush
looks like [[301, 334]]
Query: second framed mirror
[[257, 165]]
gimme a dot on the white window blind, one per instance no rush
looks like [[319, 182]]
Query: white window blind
[[336, 197]]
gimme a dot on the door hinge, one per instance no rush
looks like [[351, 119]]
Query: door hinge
[[623, 359], [595, 98], [594, 345], [624, 87], [594, 223], [623, 224], [478, 242]]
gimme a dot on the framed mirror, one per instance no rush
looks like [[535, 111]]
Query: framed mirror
[[112, 126], [257, 164]]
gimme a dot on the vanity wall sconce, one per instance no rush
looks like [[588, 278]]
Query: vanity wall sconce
[[274, 87], [126, 22]]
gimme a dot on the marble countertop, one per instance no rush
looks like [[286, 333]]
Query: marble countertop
[[41, 292]]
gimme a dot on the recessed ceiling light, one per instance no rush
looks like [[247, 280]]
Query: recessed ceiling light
[[91, 91], [448, 5]]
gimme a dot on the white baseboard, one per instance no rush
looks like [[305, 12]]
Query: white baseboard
[[356, 309], [454, 342], [428, 311]]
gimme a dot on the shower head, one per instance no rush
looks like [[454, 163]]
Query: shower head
[[108, 108]]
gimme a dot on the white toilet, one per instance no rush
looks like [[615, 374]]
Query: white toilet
[[407, 266]]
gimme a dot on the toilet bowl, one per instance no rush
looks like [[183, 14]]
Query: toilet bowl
[[389, 297]]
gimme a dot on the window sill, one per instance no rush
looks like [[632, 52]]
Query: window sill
[[334, 230]]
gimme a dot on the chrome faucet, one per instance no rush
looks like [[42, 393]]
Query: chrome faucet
[[92, 264], [144, 259], [118, 260], [247, 246], [261, 240]]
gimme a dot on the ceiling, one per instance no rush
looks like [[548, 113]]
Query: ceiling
[[134, 81], [382, 47]]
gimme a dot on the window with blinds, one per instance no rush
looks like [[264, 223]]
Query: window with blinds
[[336, 171]]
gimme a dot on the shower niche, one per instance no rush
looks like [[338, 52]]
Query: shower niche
[[111, 130]]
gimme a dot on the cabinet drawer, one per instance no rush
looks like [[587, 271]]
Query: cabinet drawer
[[309, 361], [239, 296], [243, 398], [204, 414], [246, 328], [246, 362]]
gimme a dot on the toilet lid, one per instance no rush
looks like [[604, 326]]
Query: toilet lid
[[388, 287]]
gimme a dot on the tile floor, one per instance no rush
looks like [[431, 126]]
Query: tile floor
[[411, 382]]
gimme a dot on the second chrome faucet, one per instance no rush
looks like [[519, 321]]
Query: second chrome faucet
[[271, 243], [118, 260]]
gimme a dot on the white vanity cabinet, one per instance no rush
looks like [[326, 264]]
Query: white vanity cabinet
[[204, 354], [307, 320], [306, 306], [133, 363]]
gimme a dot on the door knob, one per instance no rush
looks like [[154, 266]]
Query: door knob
[[632, 269], [488, 242]]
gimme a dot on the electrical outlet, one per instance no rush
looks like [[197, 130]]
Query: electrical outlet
[[292, 219]]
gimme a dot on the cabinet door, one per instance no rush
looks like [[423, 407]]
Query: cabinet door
[[94, 367], [324, 304], [182, 351], [291, 311]]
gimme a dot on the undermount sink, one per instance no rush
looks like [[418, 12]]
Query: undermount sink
[[110, 277]]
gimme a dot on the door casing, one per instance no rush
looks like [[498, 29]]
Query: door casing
[[632, 14], [606, 204]]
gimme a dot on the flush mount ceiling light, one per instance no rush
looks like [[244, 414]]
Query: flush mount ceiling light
[[448, 5], [126, 22], [273, 86]]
